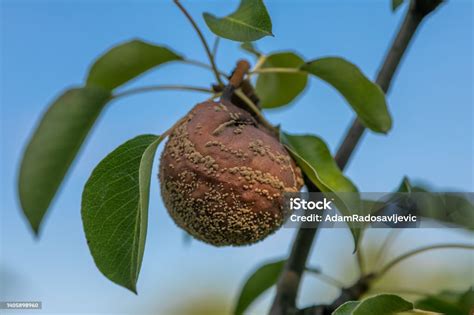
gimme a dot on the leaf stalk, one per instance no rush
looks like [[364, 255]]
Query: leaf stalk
[[162, 88], [203, 40], [401, 258]]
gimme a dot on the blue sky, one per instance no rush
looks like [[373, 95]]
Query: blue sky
[[47, 46]]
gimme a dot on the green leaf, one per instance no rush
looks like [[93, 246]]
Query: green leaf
[[396, 4], [405, 186], [249, 23], [439, 305], [53, 146], [115, 209], [313, 157], [126, 61], [466, 301], [278, 89], [250, 48], [260, 281], [317, 163], [365, 97], [451, 208], [448, 302], [346, 308], [445, 207], [382, 304]]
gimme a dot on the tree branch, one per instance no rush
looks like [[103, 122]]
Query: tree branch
[[289, 281]]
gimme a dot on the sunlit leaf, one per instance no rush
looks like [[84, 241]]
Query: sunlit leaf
[[278, 89], [364, 96], [313, 157], [249, 23], [53, 147], [127, 61], [115, 209], [382, 304], [320, 166], [346, 308], [261, 280]]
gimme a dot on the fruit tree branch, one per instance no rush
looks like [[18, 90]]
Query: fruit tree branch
[[289, 281]]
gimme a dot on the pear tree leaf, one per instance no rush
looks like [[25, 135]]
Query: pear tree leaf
[[313, 157], [127, 61], [248, 23], [448, 302], [452, 208], [279, 89], [405, 186], [396, 4], [466, 300], [53, 147], [381, 304], [321, 166], [365, 97], [346, 308], [260, 281], [115, 209], [440, 305]]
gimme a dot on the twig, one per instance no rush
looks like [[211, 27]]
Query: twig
[[200, 64], [360, 261], [278, 70], [289, 281], [236, 79], [384, 248], [215, 46], [152, 88], [347, 294], [326, 278], [260, 61], [401, 258], [203, 40]]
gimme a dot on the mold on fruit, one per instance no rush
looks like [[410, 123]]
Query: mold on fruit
[[223, 176]]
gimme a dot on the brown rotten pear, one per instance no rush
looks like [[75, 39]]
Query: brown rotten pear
[[223, 176]]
